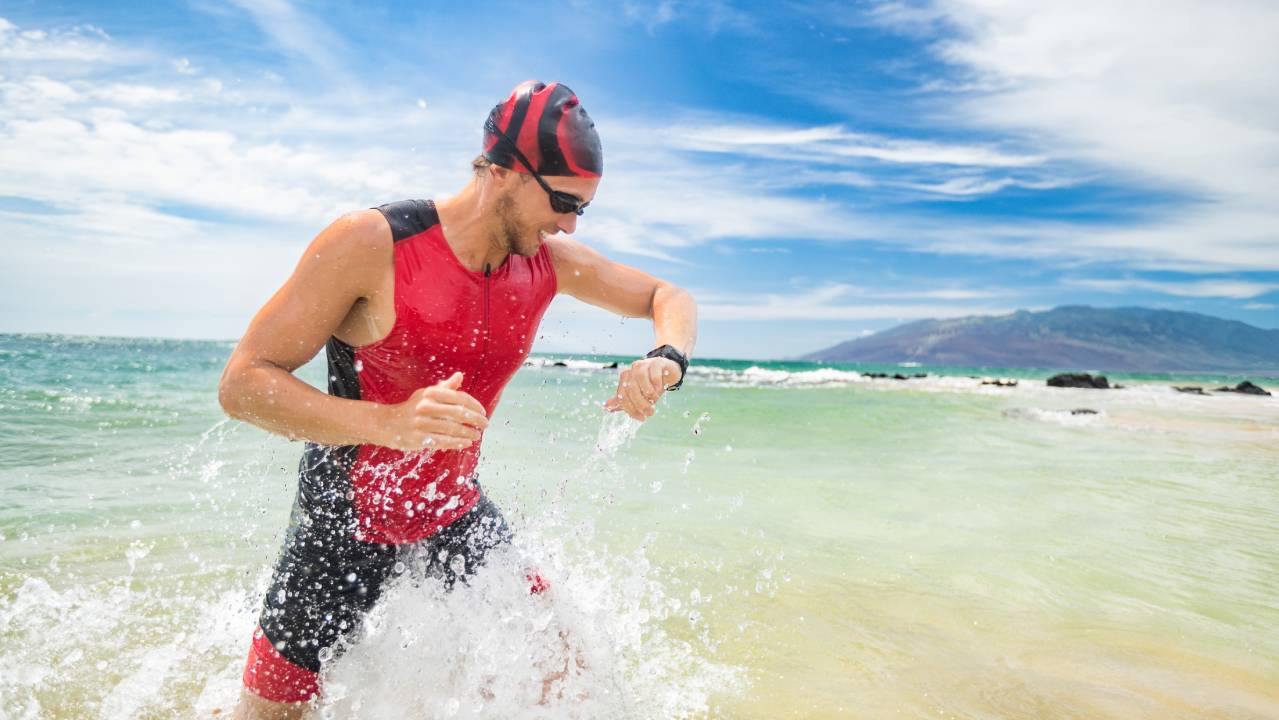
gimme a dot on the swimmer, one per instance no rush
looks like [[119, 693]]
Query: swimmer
[[425, 312]]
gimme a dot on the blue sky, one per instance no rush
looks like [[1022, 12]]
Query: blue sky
[[812, 172]]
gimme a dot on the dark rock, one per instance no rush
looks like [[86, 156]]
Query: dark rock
[[1083, 411], [1000, 383], [877, 375], [559, 363], [1192, 389], [611, 366], [1079, 380], [1245, 388]]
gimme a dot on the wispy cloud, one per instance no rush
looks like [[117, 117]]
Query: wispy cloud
[[1234, 289], [82, 43], [845, 302], [834, 144], [299, 33], [1177, 95]]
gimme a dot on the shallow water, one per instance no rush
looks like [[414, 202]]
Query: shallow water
[[781, 540]]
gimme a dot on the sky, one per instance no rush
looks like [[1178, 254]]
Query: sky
[[810, 172]]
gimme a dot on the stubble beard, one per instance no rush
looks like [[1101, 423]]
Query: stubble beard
[[510, 233]]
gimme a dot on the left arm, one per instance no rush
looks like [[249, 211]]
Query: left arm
[[592, 278]]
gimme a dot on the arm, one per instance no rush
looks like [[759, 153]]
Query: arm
[[592, 278], [345, 265]]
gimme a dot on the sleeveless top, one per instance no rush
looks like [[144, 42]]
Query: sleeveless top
[[447, 318]]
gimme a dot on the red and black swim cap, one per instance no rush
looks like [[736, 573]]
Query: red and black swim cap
[[550, 127]]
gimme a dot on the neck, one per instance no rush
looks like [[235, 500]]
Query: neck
[[468, 228]]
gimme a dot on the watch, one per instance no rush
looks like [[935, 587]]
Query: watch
[[671, 353]]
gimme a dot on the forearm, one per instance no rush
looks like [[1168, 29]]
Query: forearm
[[675, 318], [274, 399]]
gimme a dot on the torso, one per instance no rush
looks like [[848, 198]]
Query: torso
[[431, 317]]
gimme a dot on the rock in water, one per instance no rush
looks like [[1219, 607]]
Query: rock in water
[[1192, 389], [1245, 388], [1083, 411], [1079, 380]]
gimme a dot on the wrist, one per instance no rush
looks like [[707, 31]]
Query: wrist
[[374, 424], [670, 352]]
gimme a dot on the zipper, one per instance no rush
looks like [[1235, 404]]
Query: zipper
[[484, 326]]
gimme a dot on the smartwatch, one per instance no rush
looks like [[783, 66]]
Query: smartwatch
[[670, 353]]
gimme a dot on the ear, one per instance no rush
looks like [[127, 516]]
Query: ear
[[499, 174]]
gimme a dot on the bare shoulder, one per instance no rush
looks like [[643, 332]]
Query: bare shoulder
[[355, 250], [356, 237], [572, 257], [566, 249]]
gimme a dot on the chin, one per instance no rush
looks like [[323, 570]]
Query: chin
[[531, 248]]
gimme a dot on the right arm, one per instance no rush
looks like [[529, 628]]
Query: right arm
[[345, 264]]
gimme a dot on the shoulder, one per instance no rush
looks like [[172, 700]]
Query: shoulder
[[407, 218], [356, 248], [570, 254], [357, 233]]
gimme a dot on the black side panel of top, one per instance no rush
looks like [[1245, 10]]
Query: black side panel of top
[[344, 381], [409, 217]]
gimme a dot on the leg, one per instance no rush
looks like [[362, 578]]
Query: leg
[[253, 707], [323, 584]]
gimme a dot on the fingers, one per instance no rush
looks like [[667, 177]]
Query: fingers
[[444, 429], [642, 377], [446, 393], [633, 398], [630, 398]]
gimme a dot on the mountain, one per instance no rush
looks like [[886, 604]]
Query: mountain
[[1084, 338]]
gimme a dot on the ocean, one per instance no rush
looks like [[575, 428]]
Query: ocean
[[782, 540]]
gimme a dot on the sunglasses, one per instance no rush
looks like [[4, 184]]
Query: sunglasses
[[561, 202]]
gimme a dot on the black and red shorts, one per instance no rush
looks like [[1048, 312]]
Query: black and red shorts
[[325, 581]]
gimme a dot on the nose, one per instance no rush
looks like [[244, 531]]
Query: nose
[[567, 223]]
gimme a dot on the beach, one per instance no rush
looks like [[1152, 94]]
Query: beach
[[780, 540]]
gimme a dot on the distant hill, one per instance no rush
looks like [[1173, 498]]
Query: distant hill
[[1126, 339]]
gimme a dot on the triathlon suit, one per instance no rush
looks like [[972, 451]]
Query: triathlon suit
[[360, 508]]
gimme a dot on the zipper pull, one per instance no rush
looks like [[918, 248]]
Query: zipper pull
[[486, 269]]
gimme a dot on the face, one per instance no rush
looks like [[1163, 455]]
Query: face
[[523, 211]]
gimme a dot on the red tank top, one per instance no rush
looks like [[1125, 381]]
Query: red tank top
[[447, 318]]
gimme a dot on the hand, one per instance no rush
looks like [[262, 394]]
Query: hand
[[641, 385], [439, 417]]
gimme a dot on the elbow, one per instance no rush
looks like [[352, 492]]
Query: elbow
[[231, 394], [665, 294]]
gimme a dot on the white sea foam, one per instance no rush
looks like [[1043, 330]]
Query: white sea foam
[[592, 646], [1151, 393]]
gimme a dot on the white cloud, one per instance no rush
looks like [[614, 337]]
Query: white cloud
[[834, 145], [83, 43], [831, 302], [297, 32], [1175, 94], [1235, 289]]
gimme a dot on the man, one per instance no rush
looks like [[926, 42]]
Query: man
[[425, 311]]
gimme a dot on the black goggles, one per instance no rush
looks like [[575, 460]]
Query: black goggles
[[561, 202]]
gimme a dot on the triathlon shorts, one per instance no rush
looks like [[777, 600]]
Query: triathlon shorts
[[325, 581]]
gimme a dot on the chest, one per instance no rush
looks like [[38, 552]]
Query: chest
[[449, 319]]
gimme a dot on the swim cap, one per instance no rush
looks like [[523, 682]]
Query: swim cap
[[550, 127]]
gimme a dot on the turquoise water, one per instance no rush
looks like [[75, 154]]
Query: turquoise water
[[781, 540]]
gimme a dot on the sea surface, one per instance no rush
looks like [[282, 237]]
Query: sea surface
[[782, 540]]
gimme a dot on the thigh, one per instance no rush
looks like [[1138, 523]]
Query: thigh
[[324, 582], [461, 548]]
